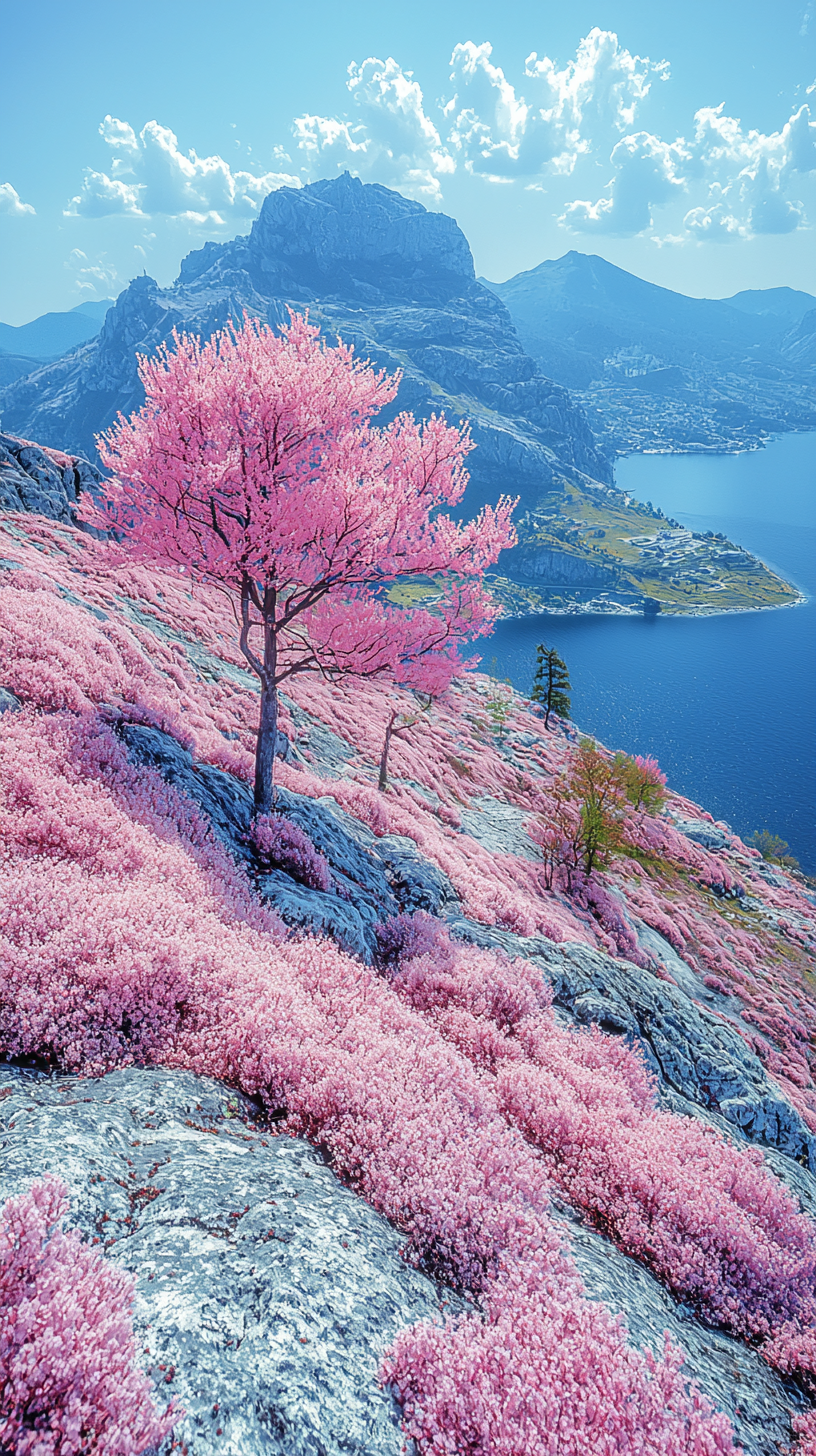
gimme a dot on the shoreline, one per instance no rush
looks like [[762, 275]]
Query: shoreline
[[600, 607], [596, 607]]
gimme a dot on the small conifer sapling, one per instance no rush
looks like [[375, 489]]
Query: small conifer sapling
[[551, 684]]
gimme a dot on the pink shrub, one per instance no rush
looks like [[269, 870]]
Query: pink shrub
[[282, 844], [804, 1427], [590, 891], [69, 1382], [407, 936], [707, 1218], [447, 1095], [572, 1396]]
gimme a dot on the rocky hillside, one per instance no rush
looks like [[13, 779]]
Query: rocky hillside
[[387, 275], [658, 370], [48, 482], [392, 1127], [398, 282]]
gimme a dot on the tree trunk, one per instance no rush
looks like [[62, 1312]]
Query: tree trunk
[[265, 749], [382, 782], [268, 721]]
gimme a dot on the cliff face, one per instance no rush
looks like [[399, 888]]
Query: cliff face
[[46, 481], [373, 267]]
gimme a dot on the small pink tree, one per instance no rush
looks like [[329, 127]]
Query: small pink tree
[[254, 466]]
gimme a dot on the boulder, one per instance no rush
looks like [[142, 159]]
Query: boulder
[[266, 1292], [266, 1288], [46, 481]]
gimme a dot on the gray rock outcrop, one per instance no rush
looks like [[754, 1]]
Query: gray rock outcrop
[[372, 879], [388, 276], [41, 480], [693, 1052], [266, 1292], [557, 568]]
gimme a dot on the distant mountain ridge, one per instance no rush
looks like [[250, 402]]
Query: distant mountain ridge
[[783, 303], [53, 334], [658, 369], [391, 278], [24, 347]]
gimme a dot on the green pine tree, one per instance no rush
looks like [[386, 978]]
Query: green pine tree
[[551, 684]]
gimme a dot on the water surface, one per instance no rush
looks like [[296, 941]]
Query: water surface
[[726, 703]]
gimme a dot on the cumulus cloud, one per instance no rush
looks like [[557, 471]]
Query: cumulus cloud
[[150, 176], [645, 175], [751, 176], [92, 276], [713, 224], [566, 114], [11, 202], [544, 125], [392, 140], [486, 125]]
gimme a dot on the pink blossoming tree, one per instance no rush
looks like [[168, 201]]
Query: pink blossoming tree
[[254, 466]]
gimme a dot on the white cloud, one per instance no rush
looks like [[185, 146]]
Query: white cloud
[[494, 131], [645, 176], [393, 141], [749, 175], [713, 224], [11, 203], [150, 176], [501, 134], [734, 183], [724, 183], [599, 91], [92, 276], [104, 196]]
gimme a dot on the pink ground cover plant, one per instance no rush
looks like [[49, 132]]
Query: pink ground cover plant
[[70, 1384], [126, 934], [304, 1025], [280, 844], [706, 1217]]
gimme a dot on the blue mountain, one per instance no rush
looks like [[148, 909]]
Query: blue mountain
[[371, 266]]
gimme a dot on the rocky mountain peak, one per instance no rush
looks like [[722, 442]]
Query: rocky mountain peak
[[373, 268], [345, 237]]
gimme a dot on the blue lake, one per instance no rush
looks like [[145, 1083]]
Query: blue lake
[[727, 704]]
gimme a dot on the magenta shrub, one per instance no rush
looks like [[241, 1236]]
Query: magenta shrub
[[69, 1382], [442, 1086], [281, 844], [709, 1219]]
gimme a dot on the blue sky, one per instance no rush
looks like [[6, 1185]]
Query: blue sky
[[678, 141]]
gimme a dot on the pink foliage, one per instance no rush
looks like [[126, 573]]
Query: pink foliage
[[557, 1401], [707, 1218], [69, 1382], [98, 861], [446, 1094], [804, 1427], [301, 1024], [254, 466], [280, 843]]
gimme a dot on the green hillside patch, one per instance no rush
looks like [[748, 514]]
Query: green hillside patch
[[645, 555]]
